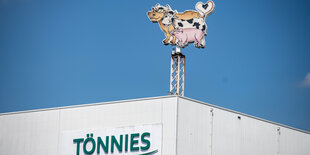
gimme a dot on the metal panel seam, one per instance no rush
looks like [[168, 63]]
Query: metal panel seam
[[177, 125], [211, 134], [59, 123], [162, 127]]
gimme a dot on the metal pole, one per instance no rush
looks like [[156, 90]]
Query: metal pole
[[177, 73], [171, 72], [183, 83]]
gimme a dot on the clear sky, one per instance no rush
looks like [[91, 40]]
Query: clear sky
[[67, 52]]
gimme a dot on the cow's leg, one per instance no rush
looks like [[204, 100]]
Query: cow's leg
[[166, 41], [203, 42], [173, 41]]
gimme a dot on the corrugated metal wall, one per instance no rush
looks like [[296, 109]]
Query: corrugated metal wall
[[233, 133], [29, 133], [194, 129], [189, 128], [37, 132]]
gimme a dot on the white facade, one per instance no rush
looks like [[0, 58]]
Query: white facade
[[189, 127]]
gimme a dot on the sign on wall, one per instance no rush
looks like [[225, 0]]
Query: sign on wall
[[133, 140]]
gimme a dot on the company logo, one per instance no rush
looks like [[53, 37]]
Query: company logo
[[109, 144], [133, 140]]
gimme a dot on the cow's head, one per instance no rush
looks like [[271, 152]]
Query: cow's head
[[168, 18], [158, 12]]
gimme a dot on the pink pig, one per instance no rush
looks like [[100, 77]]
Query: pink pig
[[189, 35]]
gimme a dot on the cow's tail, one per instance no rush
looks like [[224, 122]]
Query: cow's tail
[[205, 9]]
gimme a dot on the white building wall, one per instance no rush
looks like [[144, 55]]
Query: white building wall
[[210, 130], [33, 133], [292, 142], [243, 136], [37, 133], [194, 129], [189, 128]]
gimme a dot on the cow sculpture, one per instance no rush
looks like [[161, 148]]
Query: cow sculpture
[[175, 25]]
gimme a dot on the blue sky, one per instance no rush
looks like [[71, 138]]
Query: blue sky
[[69, 52]]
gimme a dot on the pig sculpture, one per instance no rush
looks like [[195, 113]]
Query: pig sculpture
[[189, 35]]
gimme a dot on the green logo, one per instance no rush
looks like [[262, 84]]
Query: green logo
[[109, 144]]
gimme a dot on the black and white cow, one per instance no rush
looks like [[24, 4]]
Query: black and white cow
[[198, 23], [179, 24]]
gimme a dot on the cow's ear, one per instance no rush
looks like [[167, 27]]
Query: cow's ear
[[174, 13], [157, 5]]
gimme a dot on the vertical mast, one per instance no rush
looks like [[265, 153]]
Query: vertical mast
[[177, 72]]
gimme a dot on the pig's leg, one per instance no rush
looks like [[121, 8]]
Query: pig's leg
[[186, 40], [176, 41], [179, 41], [199, 39], [182, 44], [196, 42]]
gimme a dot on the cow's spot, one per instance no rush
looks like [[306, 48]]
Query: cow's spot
[[182, 20], [197, 25], [203, 27], [190, 21], [205, 6], [180, 24], [170, 12]]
